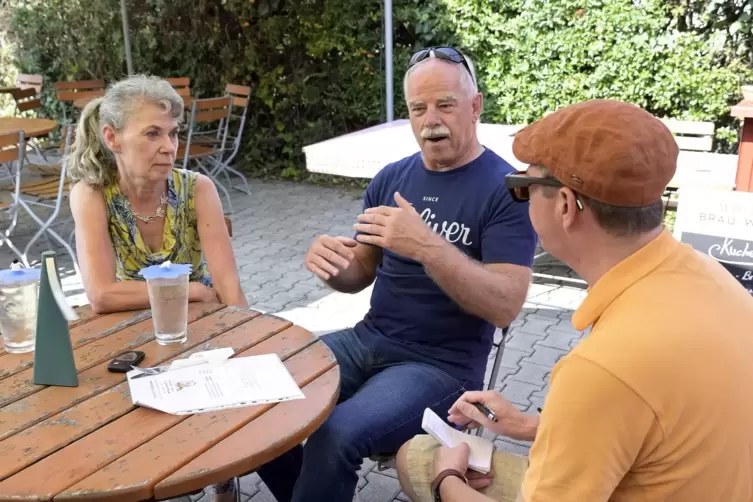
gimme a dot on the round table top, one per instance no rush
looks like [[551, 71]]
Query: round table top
[[30, 127], [91, 443]]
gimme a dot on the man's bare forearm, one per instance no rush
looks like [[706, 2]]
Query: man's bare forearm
[[526, 429], [351, 280], [478, 290]]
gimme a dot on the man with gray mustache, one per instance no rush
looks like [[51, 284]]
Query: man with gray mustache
[[450, 255]]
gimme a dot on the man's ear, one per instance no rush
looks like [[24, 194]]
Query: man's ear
[[568, 207], [478, 106]]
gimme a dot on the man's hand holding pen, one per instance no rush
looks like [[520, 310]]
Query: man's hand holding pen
[[480, 408]]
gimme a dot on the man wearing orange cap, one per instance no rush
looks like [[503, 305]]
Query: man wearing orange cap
[[655, 404]]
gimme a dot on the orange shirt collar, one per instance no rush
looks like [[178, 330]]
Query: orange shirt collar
[[622, 276]]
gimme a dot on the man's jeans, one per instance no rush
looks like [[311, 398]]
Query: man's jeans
[[381, 406]]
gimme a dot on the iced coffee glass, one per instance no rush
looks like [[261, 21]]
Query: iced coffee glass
[[168, 295], [19, 288]]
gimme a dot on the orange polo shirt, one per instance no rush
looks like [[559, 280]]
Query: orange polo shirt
[[656, 404]]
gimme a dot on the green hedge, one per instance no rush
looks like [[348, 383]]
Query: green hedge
[[539, 55], [316, 66]]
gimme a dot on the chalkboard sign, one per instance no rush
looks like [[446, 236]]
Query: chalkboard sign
[[720, 224]]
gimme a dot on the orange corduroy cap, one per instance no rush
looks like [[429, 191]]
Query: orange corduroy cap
[[611, 151]]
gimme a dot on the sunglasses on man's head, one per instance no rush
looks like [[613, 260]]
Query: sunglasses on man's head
[[519, 186], [444, 53]]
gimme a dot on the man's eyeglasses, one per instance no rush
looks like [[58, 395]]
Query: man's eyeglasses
[[444, 53], [519, 187]]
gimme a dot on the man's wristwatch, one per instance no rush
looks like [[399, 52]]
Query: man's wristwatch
[[441, 477]]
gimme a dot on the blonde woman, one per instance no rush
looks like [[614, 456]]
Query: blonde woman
[[133, 209]]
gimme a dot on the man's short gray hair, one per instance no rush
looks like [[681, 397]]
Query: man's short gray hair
[[468, 80]]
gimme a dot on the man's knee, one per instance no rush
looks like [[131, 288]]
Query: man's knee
[[340, 435]]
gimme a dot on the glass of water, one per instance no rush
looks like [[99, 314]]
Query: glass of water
[[168, 296], [19, 289]]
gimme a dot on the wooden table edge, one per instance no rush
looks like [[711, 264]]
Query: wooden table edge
[[139, 492], [253, 315], [49, 126], [168, 488]]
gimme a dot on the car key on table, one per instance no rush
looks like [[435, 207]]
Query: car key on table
[[124, 362]]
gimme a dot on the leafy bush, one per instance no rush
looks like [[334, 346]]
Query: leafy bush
[[539, 55], [316, 66]]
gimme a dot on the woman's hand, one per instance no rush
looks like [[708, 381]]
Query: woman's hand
[[197, 292]]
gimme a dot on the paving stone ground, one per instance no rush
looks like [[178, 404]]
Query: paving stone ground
[[273, 228]]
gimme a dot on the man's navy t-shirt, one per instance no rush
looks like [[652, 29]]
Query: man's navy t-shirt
[[470, 207]]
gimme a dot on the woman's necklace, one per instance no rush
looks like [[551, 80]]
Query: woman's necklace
[[158, 214]]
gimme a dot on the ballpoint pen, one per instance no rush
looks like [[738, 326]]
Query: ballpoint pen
[[486, 411]]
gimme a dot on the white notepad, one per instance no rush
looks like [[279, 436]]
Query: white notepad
[[481, 448]]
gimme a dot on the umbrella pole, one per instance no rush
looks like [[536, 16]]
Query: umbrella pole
[[126, 36], [388, 58]]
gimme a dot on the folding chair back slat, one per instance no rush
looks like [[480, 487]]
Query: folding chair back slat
[[74, 95], [182, 86], [71, 91], [9, 146], [9, 154], [35, 82], [179, 81], [211, 116], [80, 85], [240, 102], [27, 93], [240, 94], [211, 103], [27, 99], [32, 104], [238, 90], [9, 139]]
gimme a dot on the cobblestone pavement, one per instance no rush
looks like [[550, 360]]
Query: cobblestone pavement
[[272, 229]]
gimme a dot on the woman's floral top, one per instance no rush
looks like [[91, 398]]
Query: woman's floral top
[[180, 240]]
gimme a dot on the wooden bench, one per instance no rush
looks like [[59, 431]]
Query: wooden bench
[[692, 135]]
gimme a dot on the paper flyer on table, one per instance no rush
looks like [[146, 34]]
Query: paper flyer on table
[[210, 383]]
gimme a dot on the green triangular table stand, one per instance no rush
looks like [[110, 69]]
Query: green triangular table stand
[[53, 353]]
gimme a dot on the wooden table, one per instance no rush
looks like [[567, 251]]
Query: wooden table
[[90, 443], [30, 127], [9, 90]]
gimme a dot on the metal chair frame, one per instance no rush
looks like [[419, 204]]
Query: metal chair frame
[[209, 161], [21, 202], [240, 99]]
